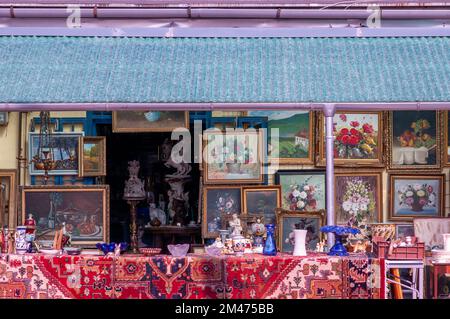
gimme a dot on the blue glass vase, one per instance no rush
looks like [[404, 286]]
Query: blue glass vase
[[270, 246]]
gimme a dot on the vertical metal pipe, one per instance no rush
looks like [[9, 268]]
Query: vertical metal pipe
[[329, 110]]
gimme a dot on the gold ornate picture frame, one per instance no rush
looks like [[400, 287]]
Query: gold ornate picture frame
[[288, 220], [413, 142], [83, 209], [412, 196], [367, 142], [151, 121], [219, 201], [92, 156], [8, 206]]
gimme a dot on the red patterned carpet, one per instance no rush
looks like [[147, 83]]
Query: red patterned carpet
[[191, 277]]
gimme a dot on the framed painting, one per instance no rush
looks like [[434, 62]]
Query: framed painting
[[357, 138], [227, 113], [358, 198], [8, 198], [414, 140], [66, 147], [262, 201], [287, 221], [93, 156], [302, 190], [83, 209], [413, 196], [151, 121], [219, 201], [295, 136], [404, 230], [233, 157], [446, 129]]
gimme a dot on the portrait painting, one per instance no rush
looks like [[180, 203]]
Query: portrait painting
[[357, 138], [414, 140], [63, 148], [233, 157], [416, 196], [288, 221], [293, 143], [93, 156], [262, 201], [219, 201], [150, 121], [302, 190], [84, 210], [358, 198]]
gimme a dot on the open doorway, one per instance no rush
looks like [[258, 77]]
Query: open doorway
[[146, 148]]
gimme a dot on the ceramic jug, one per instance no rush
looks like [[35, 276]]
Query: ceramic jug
[[300, 242], [446, 241], [20, 240]]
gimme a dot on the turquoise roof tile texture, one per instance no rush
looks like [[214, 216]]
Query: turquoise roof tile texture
[[193, 70]]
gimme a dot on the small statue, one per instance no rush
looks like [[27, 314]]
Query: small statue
[[117, 250], [235, 225], [134, 187], [320, 246], [182, 168]]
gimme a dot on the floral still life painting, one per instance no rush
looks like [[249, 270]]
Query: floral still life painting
[[358, 200], [357, 138], [219, 202], [233, 157], [416, 196], [302, 190], [414, 139]]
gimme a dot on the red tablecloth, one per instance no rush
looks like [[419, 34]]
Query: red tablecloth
[[194, 276]]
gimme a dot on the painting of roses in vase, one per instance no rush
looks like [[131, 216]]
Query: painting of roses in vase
[[416, 196], [357, 138]]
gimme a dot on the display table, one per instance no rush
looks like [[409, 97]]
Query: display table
[[191, 277]]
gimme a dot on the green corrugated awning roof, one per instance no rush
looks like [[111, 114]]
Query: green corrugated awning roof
[[223, 70]]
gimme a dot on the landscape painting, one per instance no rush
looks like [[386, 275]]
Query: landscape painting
[[295, 137], [93, 156]]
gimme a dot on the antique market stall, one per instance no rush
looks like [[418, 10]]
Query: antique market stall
[[361, 115]]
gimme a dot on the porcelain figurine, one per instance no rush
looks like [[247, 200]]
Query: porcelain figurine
[[235, 225], [134, 187]]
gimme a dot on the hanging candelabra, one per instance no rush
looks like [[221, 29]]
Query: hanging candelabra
[[44, 158]]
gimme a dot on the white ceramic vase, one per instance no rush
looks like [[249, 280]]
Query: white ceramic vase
[[299, 242], [446, 242]]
